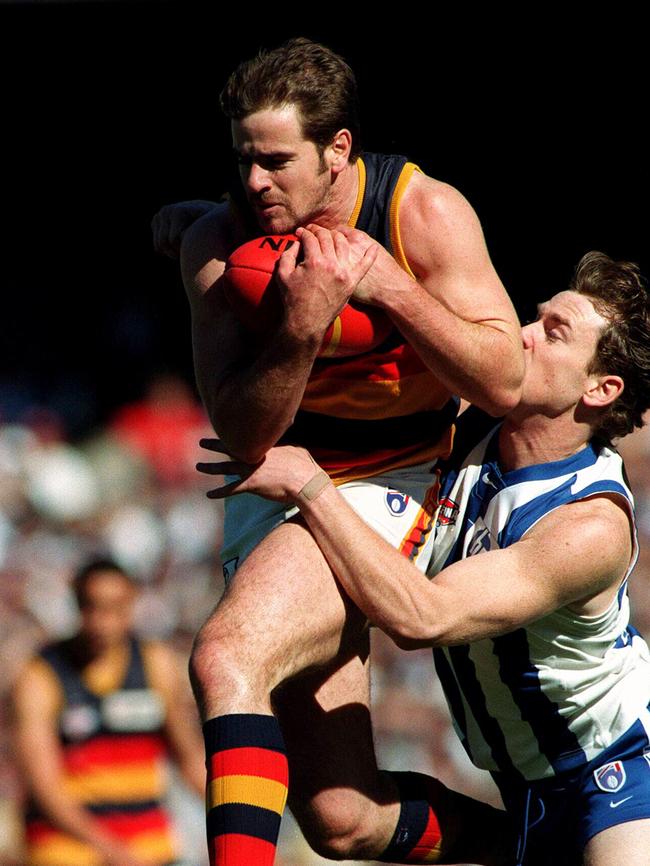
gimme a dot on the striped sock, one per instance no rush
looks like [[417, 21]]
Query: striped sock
[[417, 837], [247, 788]]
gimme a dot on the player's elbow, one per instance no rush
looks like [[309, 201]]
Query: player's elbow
[[502, 400], [414, 635], [505, 389], [437, 624]]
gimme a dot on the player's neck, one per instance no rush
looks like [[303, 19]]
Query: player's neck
[[342, 199], [537, 439]]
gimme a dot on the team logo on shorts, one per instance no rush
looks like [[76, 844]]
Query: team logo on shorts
[[448, 512], [396, 502], [610, 777]]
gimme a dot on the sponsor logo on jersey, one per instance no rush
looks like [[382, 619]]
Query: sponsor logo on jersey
[[448, 513], [133, 710], [610, 777], [80, 721], [396, 502]]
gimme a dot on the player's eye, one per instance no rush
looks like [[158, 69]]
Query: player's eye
[[273, 164]]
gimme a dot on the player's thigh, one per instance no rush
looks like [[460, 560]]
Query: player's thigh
[[627, 843], [283, 611]]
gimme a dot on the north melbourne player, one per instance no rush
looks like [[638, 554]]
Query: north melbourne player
[[547, 681]]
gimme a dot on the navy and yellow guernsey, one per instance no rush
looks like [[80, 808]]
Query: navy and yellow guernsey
[[113, 748], [367, 414]]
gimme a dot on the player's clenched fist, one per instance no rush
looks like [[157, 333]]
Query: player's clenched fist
[[316, 288]]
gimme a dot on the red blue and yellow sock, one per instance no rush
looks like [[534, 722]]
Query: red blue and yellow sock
[[247, 786], [417, 837]]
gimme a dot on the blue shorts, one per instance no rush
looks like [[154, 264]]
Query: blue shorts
[[555, 818]]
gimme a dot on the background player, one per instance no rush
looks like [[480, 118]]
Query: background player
[[547, 682], [95, 717], [384, 417]]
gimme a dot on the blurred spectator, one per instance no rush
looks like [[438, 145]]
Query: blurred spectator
[[164, 427], [94, 716]]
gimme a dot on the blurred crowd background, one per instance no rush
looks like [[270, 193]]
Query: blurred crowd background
[[130, 491]]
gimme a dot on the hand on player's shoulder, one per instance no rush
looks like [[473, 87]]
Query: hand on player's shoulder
[[172, 221]]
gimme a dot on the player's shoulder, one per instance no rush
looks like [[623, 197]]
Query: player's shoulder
[[426, 197], [37, 686], [438, 225], [599, 525]]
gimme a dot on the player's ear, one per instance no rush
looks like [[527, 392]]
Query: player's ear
[[603, 390], [338, 152]]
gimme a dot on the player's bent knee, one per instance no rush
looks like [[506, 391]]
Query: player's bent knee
[[215, 661]]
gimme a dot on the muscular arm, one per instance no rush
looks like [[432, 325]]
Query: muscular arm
[[252, 394], [36, 702], [457, 315], [562, 561]]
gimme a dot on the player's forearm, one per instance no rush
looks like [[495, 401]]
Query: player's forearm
[[70, 817], [480, 361], [388, 588], [253, 402]]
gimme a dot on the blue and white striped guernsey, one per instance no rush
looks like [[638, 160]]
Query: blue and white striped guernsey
[[552, 695]]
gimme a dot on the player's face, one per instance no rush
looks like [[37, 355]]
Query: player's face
[[286, 181], [107, 610], [559, 347]]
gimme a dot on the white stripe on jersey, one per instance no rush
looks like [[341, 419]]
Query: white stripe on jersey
[[555, 693]]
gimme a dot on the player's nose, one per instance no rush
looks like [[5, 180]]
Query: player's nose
[[258, 178], [528, 335]]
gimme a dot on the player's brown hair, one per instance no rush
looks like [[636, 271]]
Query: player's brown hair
[[619, 294], [302, 73]]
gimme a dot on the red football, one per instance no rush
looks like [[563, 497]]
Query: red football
[[257, 304]]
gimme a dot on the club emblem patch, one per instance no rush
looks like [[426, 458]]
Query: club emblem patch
[[396, 502], [610, 777]]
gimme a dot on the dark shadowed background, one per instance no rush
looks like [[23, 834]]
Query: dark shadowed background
[[110, 110]]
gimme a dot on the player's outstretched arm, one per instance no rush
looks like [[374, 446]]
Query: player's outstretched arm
[[561, 561], [36, 702], [251, 387], [457, 315]]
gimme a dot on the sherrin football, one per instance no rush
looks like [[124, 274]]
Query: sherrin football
[[256, 302]]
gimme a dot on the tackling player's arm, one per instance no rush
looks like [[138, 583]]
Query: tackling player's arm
[[172, 221], [457, 315], [36, 704], [561, 561], [252, 388]]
